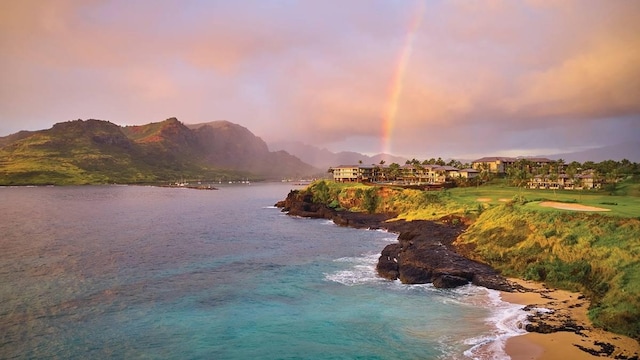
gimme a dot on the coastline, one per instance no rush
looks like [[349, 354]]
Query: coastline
[[561, 332], [565, 332]]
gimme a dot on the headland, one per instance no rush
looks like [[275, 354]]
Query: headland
[[558, 326]]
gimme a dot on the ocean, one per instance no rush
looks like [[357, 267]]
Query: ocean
[[142, 272]]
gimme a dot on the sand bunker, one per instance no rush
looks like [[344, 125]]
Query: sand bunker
[[483, 199], [504, 200], [574, 207]]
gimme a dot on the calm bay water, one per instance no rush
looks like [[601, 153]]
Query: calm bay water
[[147, 272]]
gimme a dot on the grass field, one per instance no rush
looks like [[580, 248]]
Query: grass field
[[619, 205]]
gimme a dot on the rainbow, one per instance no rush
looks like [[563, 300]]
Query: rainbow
[[389, 115]]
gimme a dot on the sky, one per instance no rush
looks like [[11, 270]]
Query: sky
[[414, 78]]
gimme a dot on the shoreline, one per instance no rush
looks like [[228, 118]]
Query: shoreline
[[564, 332]]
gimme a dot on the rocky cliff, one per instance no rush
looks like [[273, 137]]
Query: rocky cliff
[[423, 254]]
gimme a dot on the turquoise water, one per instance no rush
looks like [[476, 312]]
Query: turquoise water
[[146, 272]]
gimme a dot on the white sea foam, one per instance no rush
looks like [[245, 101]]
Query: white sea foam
[[507, 320], [362, 271]]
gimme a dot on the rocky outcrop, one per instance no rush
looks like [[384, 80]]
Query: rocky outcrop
[[424, 252]]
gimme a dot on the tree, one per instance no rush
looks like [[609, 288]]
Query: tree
[[381, 169], [370, 200], [394, 171], [571, 175], [553, 177], [455, 163], [321, 193], [484, 175], [574, 167], [419, 171], [560, 164], [440, 162]]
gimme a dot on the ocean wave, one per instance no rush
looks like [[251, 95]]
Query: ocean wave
[[362, 271], [506, 319]]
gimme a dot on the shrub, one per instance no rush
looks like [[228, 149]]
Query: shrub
[[371, 200]]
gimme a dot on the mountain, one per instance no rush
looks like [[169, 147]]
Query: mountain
[[627, 150], [228, 145], [323, 158], [97, 151]]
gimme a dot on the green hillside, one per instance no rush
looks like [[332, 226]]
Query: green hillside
[[99, 152], [72, 153]]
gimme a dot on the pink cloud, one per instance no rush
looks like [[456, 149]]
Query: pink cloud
[[320, 73]]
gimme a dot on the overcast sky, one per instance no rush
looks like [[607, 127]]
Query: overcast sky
[[419, 79]]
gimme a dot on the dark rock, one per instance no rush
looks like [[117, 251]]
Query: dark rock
[[387, 264], [449, 281], [606, 349], [542, 328]]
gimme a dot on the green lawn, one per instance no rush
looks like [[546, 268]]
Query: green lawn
[[620, 205]]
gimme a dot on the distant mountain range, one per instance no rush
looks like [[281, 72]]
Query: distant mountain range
[[97, 151], [323, 158], [627, 150]]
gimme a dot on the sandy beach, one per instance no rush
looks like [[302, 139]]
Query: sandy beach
[[577, 339]]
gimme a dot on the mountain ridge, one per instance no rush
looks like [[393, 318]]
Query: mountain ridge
[[629, 150], [323, 158], [98, 151]]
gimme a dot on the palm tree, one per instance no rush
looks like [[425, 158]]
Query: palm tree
[[394, 171], [382, 169], [419, 170], [560, 164], [553, 177], [484, 174], [571, 175]]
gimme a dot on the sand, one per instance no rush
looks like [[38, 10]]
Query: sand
[[483, 199], [561, 345], [574, 207]]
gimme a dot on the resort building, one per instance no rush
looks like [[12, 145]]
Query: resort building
[[500, 165], [586, 180], [468, 173], [407, 174], [353, 173], [494, 164]]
